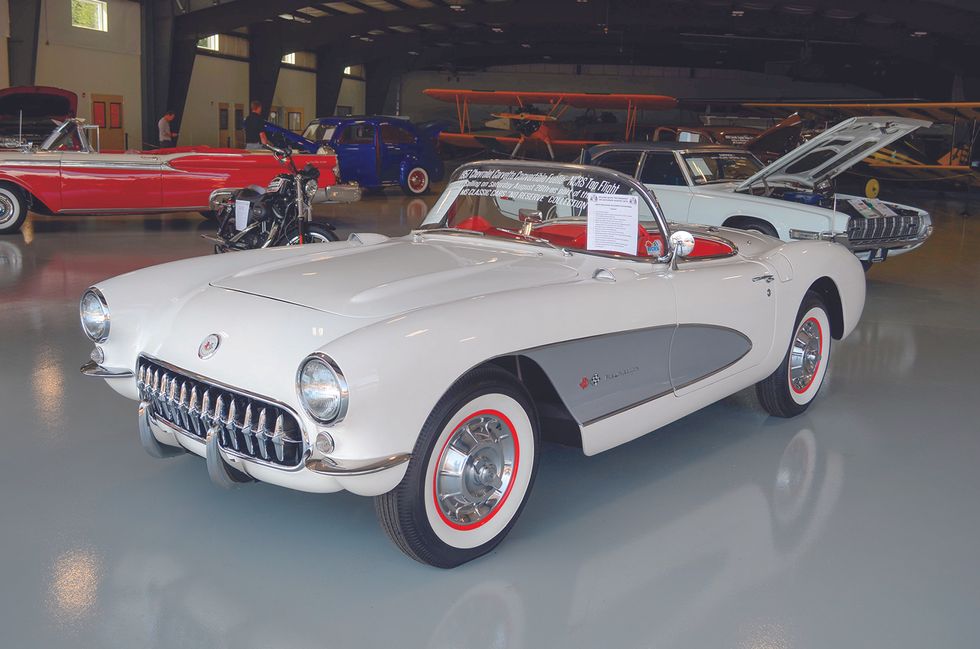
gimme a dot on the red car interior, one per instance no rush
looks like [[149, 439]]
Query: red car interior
[[574, 236]]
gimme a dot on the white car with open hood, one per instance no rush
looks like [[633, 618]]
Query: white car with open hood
[[792, 198], [426, 370]]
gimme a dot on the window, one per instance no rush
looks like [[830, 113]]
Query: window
[[622, 161], [294, 121], [98, 113], [289, 58], [709, 166], [347, 71], [209, 43], [90, 14], [357, 134], [115, 115], [661, 169], [392, 134]]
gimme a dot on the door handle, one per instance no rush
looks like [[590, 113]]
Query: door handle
[[767, 278]]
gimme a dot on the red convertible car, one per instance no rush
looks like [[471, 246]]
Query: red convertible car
[[65, 175]]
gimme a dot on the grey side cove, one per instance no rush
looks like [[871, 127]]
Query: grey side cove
[[604, 375]]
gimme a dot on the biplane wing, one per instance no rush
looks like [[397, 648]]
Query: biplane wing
[[542, 132]]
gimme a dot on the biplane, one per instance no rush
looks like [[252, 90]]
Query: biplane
[[539, 126], [944, 157]]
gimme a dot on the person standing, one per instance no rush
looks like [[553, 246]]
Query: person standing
[[167, 137], [254, 126]]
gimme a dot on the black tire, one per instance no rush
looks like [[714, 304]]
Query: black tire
[[416, 182], [420, 526], [777, 394], [759, 226], [13, 208], [312, 233]]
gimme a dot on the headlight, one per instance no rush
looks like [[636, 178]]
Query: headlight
[[322, 389], [93, 311], [310, 188]]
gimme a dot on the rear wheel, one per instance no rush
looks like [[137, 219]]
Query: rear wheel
[[760, 227], [470, 474], [790, 389], [312, 233], [416, 182], [13, 208]]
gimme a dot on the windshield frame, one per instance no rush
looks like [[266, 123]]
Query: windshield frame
[[693, 179], [645, 194]]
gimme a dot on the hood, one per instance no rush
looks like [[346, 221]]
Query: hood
[[37, 101], [398, 275], [834, 151]]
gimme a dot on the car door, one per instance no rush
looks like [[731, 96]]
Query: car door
[[661, 173], [395, 143], [357, 151], [726, 310], [110, 181]]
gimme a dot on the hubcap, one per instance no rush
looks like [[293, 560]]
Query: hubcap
[[309, 237], [804, 358], [475, 470], [6, 209], [416, 180]]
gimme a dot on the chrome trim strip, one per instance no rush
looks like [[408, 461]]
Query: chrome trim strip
[[137, 210], [336, 467], [112, 164], [625, 408], [98, 371]]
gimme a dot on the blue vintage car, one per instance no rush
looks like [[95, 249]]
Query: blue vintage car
[[376, 152]]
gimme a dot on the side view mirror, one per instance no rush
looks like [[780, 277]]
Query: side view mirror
[[681, 243], [528, 218]]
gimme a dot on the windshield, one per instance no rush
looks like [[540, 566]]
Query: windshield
[[720, 166], [565, 206], [64, 138], [319, 132]]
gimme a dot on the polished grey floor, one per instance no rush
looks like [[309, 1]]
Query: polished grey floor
[[855, 525]]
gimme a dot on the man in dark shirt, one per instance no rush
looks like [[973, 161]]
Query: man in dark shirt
[[254, 134]]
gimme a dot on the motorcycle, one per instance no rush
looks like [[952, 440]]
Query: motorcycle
[[280, 214]]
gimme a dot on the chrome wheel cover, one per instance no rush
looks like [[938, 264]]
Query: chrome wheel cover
[[8, 211], [804, 355], [475, 470], [309, 237]]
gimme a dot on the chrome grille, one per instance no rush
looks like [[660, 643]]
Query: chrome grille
[[245, 424], [883, 229]]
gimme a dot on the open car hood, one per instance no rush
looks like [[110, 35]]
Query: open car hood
[[834, 151], [37, 101]]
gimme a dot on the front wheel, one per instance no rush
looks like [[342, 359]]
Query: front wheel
[[13, 209], [416, 182], [790, 389], [470, 474], [312, 233]]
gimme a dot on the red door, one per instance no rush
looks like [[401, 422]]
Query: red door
[[92, 182]]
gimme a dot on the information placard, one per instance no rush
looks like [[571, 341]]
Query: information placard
[[613, 223], [242, 208]]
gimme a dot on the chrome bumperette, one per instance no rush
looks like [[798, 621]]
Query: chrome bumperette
[[255, 428], [335, 467], [92, 368], [221, 196]]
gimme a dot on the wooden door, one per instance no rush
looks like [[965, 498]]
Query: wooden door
[[239, 126], [108, 115]]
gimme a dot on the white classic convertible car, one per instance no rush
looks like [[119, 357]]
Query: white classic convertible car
[[791, 199], [426, 370]]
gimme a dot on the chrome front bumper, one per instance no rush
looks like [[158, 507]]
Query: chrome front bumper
[[342, 193]]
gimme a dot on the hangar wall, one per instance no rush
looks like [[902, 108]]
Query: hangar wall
[[4, 36], [213, 81], [87, 61]]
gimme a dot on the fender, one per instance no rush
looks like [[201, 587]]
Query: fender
[[43, 184]]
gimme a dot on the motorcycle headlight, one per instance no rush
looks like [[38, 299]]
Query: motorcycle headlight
[[309, 188], [93, 311], [322, 389]]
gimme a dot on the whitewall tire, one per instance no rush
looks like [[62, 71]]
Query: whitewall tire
[[470, 474], [793, 386], [13, 209], [416, 182]]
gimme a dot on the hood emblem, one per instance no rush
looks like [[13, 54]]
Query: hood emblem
[[208, 347]]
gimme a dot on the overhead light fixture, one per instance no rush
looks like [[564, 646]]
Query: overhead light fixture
[[457, 7], [413, 53], [497, 30], [367, 39], [918, 34], [737, 13], [525, 45]]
